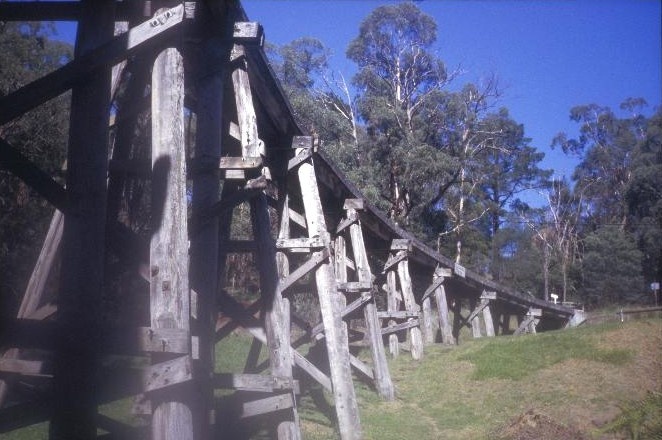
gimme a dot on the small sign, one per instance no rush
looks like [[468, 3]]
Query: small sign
[[460, 271], [655, 286]]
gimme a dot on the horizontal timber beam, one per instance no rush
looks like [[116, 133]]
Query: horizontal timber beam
[[71, 10], [105, 56], [254, 382]]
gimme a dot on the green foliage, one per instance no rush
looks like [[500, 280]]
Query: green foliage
[[302, 68], [392, 52], [517, 357], [605, 146], [611, 267], [518, 260], [40, 135], [644, 198]]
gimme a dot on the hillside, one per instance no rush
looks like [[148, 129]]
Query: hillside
[[556, 385], [562, 385]]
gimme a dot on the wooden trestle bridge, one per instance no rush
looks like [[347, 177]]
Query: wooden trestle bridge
[[164, 67]]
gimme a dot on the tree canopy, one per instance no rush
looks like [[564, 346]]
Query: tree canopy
[[443, 160], [439, 156]]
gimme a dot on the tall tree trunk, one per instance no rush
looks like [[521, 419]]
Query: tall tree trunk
[[545, 269]]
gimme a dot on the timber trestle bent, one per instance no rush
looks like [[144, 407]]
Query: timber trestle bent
[[178, 131]]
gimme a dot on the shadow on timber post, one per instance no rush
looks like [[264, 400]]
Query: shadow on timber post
[[160, 171]]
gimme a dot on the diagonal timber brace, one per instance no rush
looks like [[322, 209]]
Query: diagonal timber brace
[[104, 56], [530, 321]]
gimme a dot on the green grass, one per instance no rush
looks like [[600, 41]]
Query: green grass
[[517, 357], [469, 391], [641, 419]]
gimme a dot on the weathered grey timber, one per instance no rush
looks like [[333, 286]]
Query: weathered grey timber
[[415, 336], [172, 415], [382, 376], [485, 298], [334, 328], [82, 273], [530, 322], [276, 317], [102, 54], [473, 319], [427, 318], [392, 304], [405, 293], [445, 326], [35, 289], [255, 130]]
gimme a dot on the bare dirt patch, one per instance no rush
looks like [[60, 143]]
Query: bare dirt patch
[[533, 425]]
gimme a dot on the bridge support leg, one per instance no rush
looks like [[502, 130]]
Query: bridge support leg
[[474, 320], [489, 323], [392, 305], [172, 415], [275, 309], [442, 308], [530, 321], [382, 376], [83, 246], [335, 330], [427, 317], [398, 263], [415, 335]]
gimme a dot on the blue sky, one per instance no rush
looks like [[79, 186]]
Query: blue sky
[[549, 55]]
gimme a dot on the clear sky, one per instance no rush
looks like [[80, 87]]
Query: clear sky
[[549, 54]]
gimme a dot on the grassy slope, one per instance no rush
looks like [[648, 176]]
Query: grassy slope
[[577, 377]]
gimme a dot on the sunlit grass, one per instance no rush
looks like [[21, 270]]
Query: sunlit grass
[[516, 358], [468, 391]]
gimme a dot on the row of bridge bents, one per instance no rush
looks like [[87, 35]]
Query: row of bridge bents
[[175, 390]]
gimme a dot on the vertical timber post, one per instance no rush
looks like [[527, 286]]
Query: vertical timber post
[[415, 336], [204, 252], [474, 321], [382, 375], [287, 429], [488, 298], [83, 247], [392, 305], [334, 329], [428, 330], [276, 318], [172, 414], [445, 326]]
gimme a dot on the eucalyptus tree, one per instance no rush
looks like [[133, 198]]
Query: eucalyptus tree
[[643, 197], [556, 228], [619, 177], [399, 79], [605, 147], [509, 166]]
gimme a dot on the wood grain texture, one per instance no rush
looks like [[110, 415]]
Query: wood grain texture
[[172, 418], [336, 334], [382, 376]]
